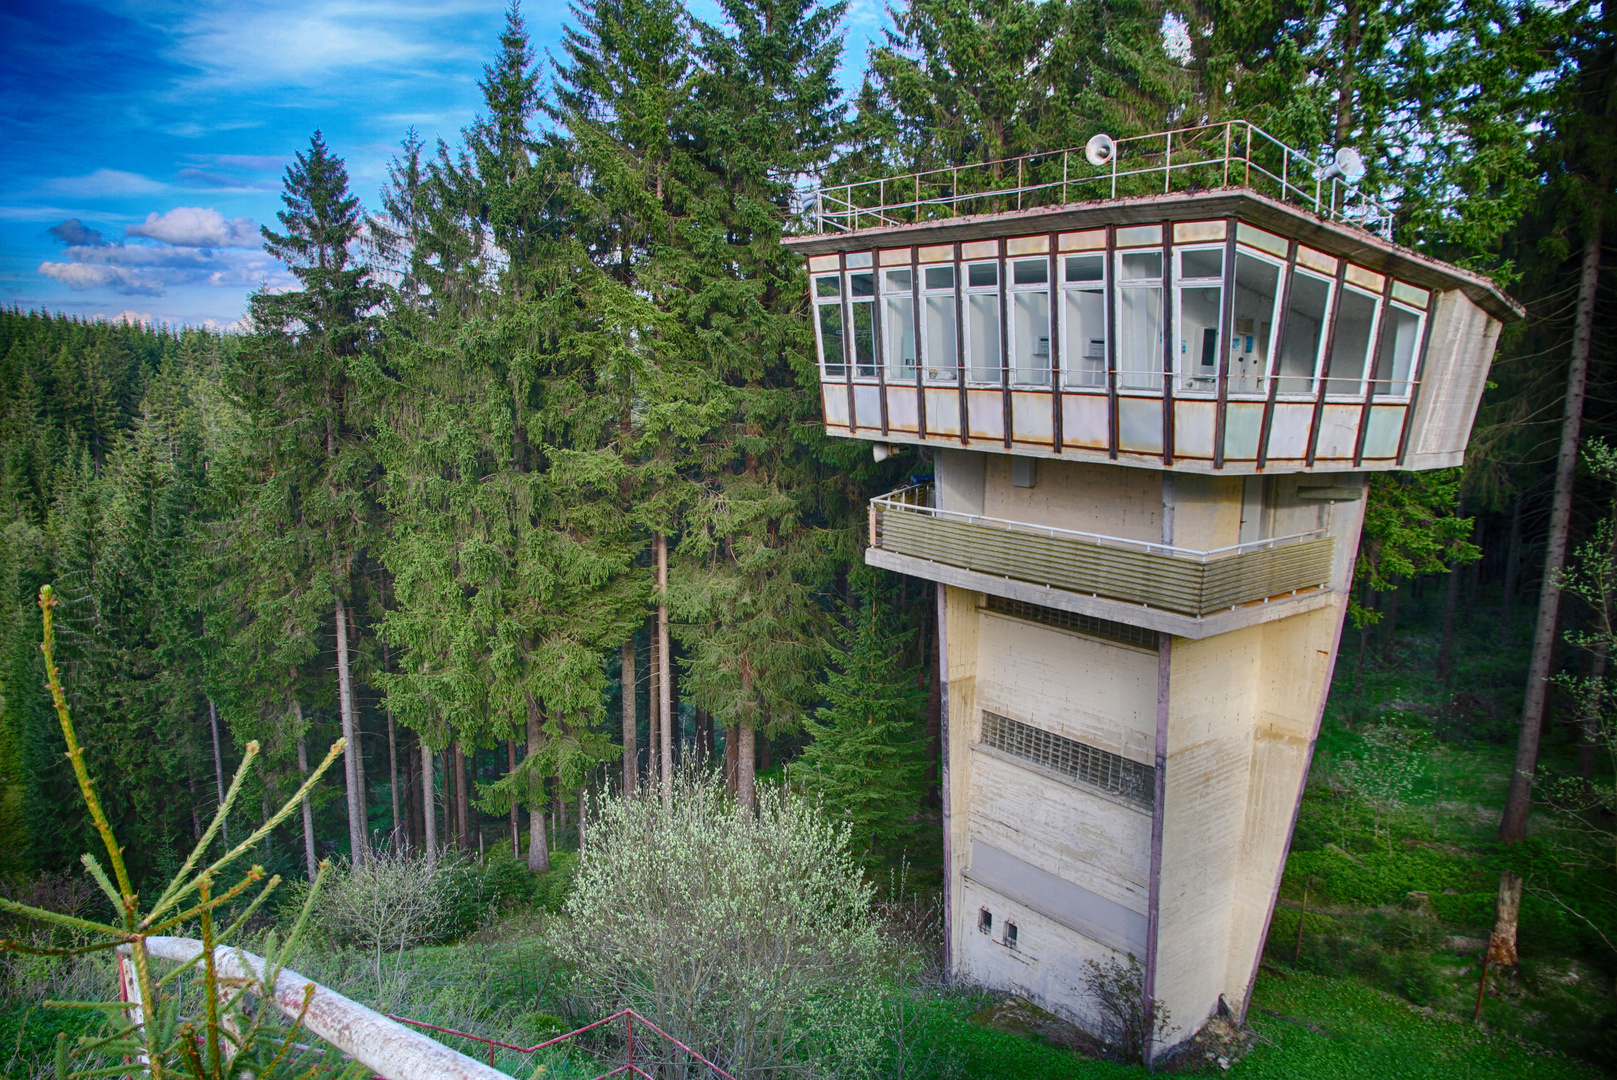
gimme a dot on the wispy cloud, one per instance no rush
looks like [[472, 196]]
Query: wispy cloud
[[195, 226], [108, 182]]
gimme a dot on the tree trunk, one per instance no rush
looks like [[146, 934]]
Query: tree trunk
[[665, 686], [393, 766], [311, 864], [351, 755], [653, 712], [429, 804], [1507, 915], [1346, 74], [516, 820], [538, 848], [463, 801], [1391, 625], [732, 758], [1445, 650], [1512, 570], [1513, 826], [746, 776], [219, 771], [631, 751], [581, 790]]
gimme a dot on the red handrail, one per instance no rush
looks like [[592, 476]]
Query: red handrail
[[628, 1016]]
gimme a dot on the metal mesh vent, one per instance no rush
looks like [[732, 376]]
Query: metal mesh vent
[[1079, 761], [1071, 620]]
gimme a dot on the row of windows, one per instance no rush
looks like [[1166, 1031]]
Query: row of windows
[[918, 311], [1078, 761]]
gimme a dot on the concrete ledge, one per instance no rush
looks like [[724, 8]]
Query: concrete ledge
[[1165, 622]]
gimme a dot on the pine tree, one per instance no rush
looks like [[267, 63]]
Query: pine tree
[[868, 758]]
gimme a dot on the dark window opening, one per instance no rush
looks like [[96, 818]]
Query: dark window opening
[[1089, 765], [985, 921], [1010, 935]]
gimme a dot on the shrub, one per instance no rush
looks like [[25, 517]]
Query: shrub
[[385, 903], [750, 938]]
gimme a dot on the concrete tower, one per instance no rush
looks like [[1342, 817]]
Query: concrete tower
[[1152, 377]]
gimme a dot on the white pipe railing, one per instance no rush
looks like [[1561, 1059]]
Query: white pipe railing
[[386, 1047], [849, 207]]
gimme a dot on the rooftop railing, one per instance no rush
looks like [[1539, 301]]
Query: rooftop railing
[[1185, 159], [1187, 581]]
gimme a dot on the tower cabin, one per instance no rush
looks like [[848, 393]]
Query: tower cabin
[[1152, 376]]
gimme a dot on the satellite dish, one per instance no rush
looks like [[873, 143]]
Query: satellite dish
[[1348, 164], [1100, 150]]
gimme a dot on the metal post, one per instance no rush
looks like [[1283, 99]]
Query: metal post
[[1229, 132], [1167, 161]]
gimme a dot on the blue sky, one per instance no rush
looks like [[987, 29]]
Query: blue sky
[[144, 142]]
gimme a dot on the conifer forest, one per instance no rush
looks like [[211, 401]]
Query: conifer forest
[[524, 492]]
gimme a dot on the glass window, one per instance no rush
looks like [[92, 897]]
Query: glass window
[[940, 342], [1306, 311], [1139, 321], [982, 336], [861, 285], [1355, 322], [1030, 272], [1257, 283], [827, 286], [831, 354], [1083, 321], [862, 288], [982, 322], [1030, 337], [1400, 338], [1201, 310], [898, 326]]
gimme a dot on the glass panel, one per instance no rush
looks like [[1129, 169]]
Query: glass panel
[[1030, 318], [982, 336], [1030, 271], [1205, 263], [1085, 267], [942, 360], [1305, 326], [940, 277], [1256, 284], [898, 334], [979, 274], [1084, 320], [1200, 311], [1354, 320], [896, 281], [862, 284], [1142, 266], [864, 357], [831, 341], [1400, 337], [827, 286], [1139, 337]]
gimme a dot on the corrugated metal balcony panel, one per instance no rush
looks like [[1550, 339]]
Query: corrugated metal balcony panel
[[1186, 586]]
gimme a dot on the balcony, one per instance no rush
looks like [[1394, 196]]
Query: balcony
[[1130, 580]]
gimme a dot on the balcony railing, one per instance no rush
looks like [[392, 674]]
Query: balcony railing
[[1209, 156], [1181, 580]]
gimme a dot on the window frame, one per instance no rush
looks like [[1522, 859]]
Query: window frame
[[1280, 264], [1012, 289], [1325, 323], [1069, 363], [952, 293], [851, 321], [1414, 357], [819, 334], [1343, 397], [1118, 284], [896, 376], [967, 291], [1181, 355]]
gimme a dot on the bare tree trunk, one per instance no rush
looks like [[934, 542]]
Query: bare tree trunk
[[631, 752], [393, 766], [351, 753], [581, 789], [538, 849], [732, 758], [653, 712], [1513, 826], [1507, 916], [463, 802], [1512, 570], [516, 821], [746, 775], [311, 864], [219, 771], [412, 797], [429, 804], [665, 684]]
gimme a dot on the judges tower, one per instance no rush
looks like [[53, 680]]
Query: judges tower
[[1153, 376]]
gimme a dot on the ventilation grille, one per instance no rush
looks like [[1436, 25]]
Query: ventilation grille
[[1071, 620], [1070, 758]]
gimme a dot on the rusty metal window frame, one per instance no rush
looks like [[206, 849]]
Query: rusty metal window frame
[[1089, 766]]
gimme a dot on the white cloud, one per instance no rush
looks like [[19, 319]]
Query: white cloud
[[85, 276], [108, 182], [198, 227]]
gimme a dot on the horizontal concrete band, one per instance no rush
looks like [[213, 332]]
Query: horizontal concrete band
[[1073, 906]]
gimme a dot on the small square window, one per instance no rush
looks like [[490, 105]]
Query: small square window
[[940, 277], [862, 284], [978, 274], [827, 286], [1084, 268], [897, 281], [1010, 935], [1203, 263], [1030, 271], [985, 921]]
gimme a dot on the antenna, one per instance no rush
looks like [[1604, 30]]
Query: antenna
[[1100, 150]]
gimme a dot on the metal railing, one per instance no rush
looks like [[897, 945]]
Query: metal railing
[[1208, 156], [391, 1050], [1187, 581]]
